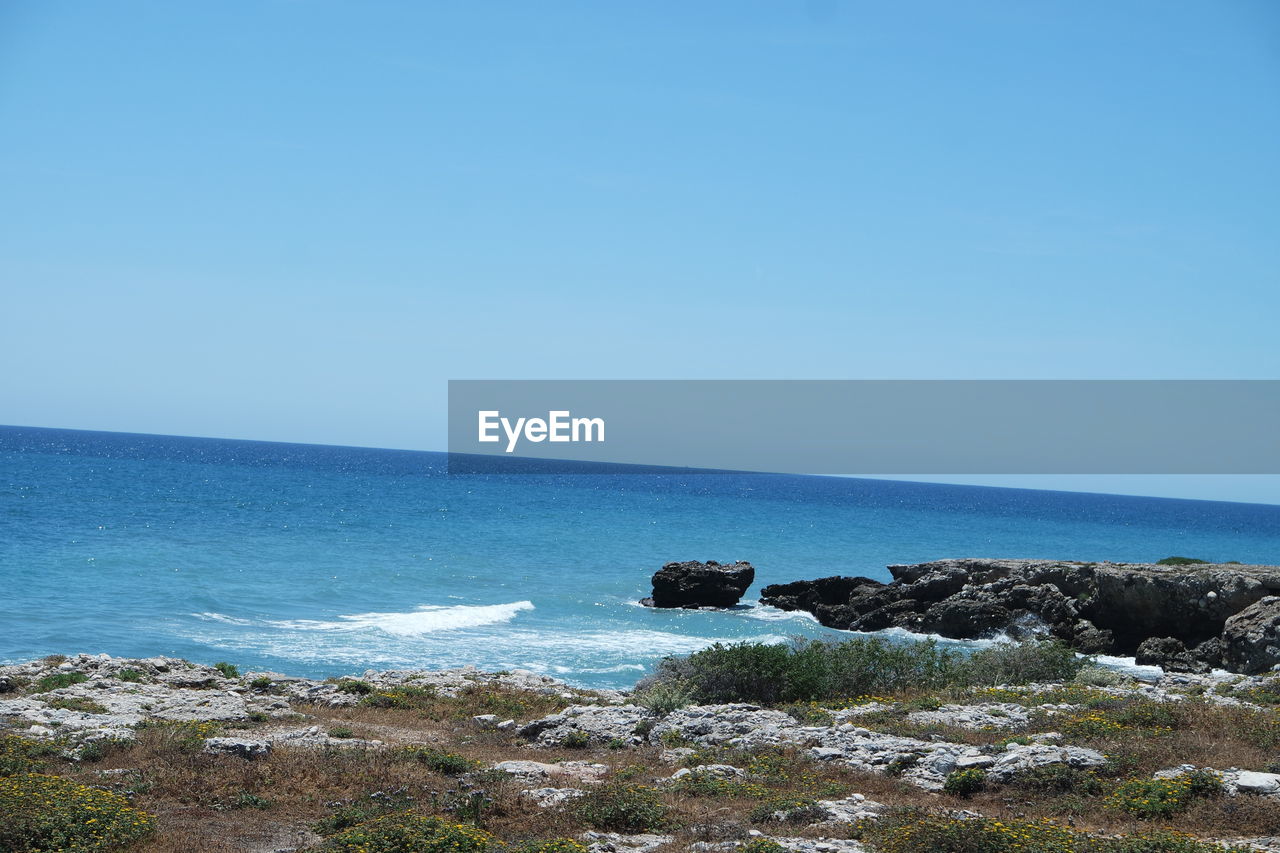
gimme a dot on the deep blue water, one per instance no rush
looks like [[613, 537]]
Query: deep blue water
[[326, 560]]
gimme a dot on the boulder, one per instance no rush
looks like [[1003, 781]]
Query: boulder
[[1169, 654], [693, 584], [241, 747], [1250, 640]]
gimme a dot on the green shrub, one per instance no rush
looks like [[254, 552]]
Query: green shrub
[[1162, 841], [49, 813], [365, 808], [59, 680], [965, 783], [410, 833], [911, 832], [1148, 799], [1057, 779], [403, 698], [663, 697], [444, 763], [262, 682], [788, 810], [228, 670], [130, 674], [620, 807], [341, 732], [23, 755], [809, 671], [1181, 561], [76, 703], [763, 845], [1020, 663], [701, 783], [351, 685]]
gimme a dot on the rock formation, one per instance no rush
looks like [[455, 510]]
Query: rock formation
[[695, 584], [1223, 614]]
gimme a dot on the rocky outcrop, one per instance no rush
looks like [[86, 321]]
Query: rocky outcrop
[[1250, 639], [694, 584], [1208, 614]]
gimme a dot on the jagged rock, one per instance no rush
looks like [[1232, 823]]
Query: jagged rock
[[1250, 782], [1250, 639], [717, 771], [694, 584], [599, 725], [995, 715], [241, 747], [548, 797], [1169, 654], [1095, 607], [612, 842], [1018, 759], [851, 809]]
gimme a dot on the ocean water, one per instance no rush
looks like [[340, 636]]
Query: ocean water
[[322, 561]]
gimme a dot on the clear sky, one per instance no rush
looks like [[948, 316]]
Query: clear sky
[[296, 219]]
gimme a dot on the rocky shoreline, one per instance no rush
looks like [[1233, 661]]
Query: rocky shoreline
[[1186, 618], [93, 706]]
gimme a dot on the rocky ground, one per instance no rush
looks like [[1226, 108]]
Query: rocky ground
[[267, 762]]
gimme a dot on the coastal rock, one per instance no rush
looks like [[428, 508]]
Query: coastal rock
[[693, 584], [241, 747], [612, 842], [1169, 654], [995, 715], [1221, 614], [1251, 638], [597, 725]]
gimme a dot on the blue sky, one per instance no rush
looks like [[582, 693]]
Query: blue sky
[[296, 220]]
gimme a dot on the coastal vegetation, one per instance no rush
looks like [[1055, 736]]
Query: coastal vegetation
[[414, 762]]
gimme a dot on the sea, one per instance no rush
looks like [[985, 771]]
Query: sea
[[321, 561]]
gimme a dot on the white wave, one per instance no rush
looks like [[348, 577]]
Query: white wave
[[222, 617], [768, 613], [426, 619]]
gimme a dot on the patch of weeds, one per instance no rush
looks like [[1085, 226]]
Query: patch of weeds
[[701, 783], [24, 755], [788, 810], [97, 750], [409, 833], [131, 675], [353, 685], [663, 697], [46, 813], [439, 761], [341, 732], [243, 800], [554, 845], [965, 783], [59, 680], [228, 670], [1148, 799], [262, 682], [1182, 561], [403, 698], [763, 845], [361, 809], [185, 736], [643, 727], [620, 807], [76, 703]]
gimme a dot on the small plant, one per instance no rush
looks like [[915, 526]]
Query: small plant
[[53, 660], [663, 697], [701, 783], [228, 670], [341, 732], [1181, 561], [410, 833], [262, 682], [22, 755], [643, 727], [1098, 676], [243, 800], [616, 743], [403, 698], [1148, 799], [76, 703], [763, 845], [965, 783], [47, 813], [362, 809], [352, 685], [788, 810], [130, 674], [620, 807], [444, 763], [59, 680]]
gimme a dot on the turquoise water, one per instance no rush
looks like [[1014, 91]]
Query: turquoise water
[[326, 560]]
